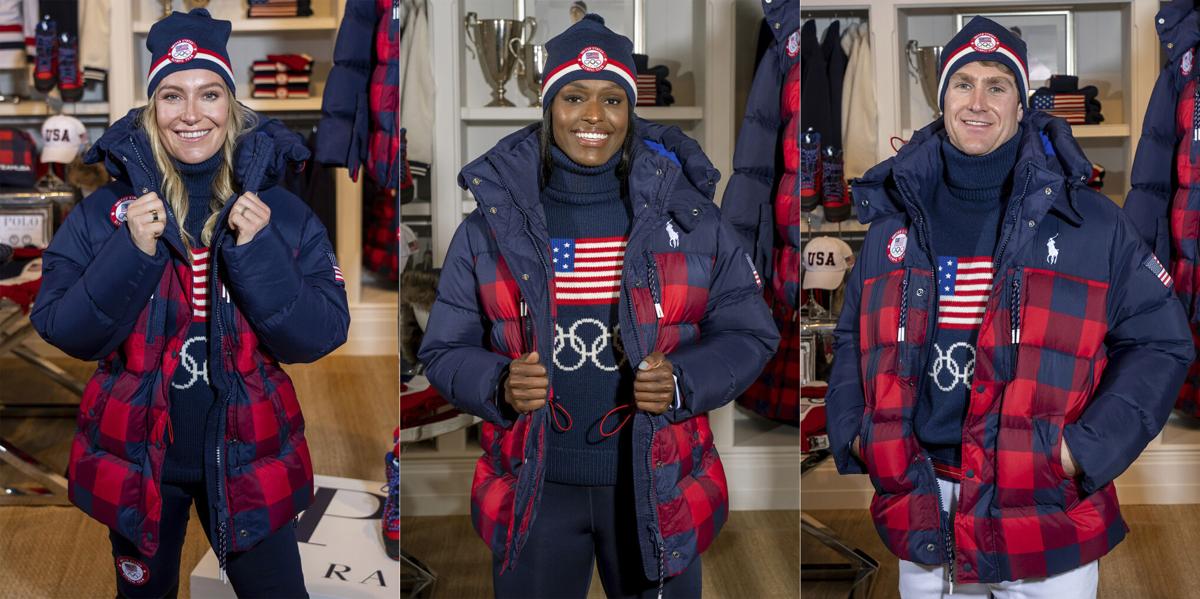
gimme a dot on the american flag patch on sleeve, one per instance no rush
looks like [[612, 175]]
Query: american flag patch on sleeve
[[754, 271], [1161, 273], [337, 270]]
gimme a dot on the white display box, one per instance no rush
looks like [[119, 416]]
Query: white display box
[[341, 548]]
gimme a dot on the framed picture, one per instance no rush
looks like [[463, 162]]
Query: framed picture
[[625, 17], [1049, 37], [25, 226]]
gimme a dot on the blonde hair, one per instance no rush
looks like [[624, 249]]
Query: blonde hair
[[173, 191]]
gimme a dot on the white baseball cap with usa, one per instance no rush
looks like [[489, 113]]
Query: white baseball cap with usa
[[63, 137], [825, 261]]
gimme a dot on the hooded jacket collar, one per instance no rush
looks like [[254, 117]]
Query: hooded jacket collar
[[782, 16], [514, 161], [1048, 153], [261, 159], [1178, 26]]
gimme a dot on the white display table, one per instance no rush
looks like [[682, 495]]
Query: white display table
[[340, 546]]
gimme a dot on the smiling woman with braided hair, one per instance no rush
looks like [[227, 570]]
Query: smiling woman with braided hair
[[592, 311]]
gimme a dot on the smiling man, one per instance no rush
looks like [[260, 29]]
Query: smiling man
[[1007, 345]]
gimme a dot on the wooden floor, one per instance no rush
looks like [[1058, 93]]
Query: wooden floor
[[755, 557], [350, 406], [1157, 560]]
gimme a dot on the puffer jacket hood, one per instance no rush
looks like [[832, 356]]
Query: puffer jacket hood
[[1178, 26], [784, 14], [522, 148], [260, 159], [1047, 146]]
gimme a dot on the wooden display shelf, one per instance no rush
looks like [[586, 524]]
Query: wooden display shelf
[[260, 25], [1100, 131], [40, 108]]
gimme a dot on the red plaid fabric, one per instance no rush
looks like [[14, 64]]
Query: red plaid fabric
[[120, 440], [1014, 462], [786, 276], [776, 393], [383, 150], [381, 246], [1185, 234], [691, 489]]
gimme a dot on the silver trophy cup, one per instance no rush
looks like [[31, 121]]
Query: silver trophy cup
[[924, 63], [531, 66], [491, 42]]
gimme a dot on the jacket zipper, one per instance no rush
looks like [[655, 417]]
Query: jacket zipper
[[1014, 308], [1013, 215], [546, 271], [652, 283], [150, 320], [222, 508], [654, 533], [395, 10], [903, 324], [946, 528]]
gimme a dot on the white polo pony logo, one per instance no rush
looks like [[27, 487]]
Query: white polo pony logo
[[1051, 251], [673, 235]]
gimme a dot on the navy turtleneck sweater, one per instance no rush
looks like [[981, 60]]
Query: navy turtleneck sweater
[[964, 221], [191, 392], [589, 223]]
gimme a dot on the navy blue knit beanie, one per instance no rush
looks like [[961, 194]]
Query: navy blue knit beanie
[[188, 41], [589, 50], [985, 39]]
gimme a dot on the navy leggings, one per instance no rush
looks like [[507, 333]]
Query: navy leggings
[[574, 525], [269, 569]]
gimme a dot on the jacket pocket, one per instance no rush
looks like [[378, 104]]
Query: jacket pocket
[[1058, 326]]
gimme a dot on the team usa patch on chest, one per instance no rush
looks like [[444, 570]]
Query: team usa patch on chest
[[587, 270], [119, 209], [897, 245]]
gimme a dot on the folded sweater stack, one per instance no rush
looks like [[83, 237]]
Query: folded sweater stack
[[1065, 99], [282, 76]]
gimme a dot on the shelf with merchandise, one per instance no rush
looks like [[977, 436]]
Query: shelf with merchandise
[[325, 15], [245, 26]]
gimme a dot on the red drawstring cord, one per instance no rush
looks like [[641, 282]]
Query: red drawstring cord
[[555, 408], [624, 420]]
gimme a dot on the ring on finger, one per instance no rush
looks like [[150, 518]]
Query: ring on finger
[[153, 216]]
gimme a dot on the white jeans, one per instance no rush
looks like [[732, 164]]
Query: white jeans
[[929, 582]]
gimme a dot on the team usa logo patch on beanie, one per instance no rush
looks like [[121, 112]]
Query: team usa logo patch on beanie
[[593, 59], [120, 207], [133, 571], [182, 51], [985, 42]]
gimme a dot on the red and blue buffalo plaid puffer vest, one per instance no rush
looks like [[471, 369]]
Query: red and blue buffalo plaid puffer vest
[[276, 298], [1082, 342], [688, 290]]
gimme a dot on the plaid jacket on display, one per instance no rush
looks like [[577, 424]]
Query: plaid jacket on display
[[762, 203], [276, 298], [360, 121], [1082, 342], [695, 270], [1164, 203]]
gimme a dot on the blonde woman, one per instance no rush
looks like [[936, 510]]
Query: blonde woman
[[189, 279]]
